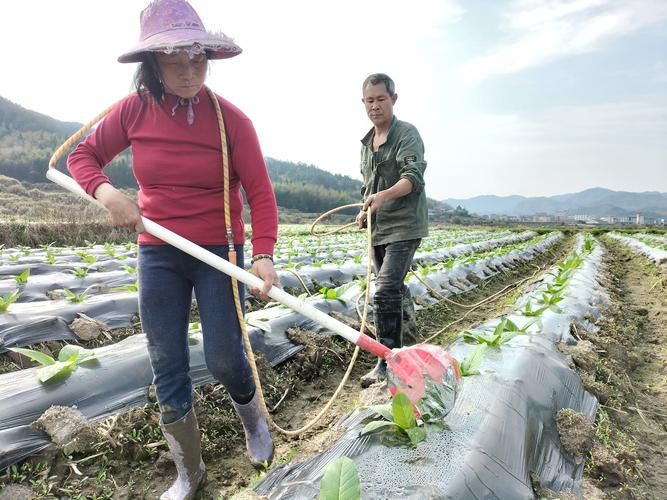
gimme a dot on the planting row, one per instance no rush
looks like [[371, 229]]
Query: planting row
[[502, 432], [117, 377], [654, 247], [39, 302]]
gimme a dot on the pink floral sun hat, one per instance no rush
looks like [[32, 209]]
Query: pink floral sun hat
[[168, 25]]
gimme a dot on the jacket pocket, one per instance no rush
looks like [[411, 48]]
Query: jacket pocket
[[387, 172]]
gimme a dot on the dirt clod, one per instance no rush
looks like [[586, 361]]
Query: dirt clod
[[576, 433], [87, 328], [67, 428]]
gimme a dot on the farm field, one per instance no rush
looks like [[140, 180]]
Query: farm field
[[560, 338]]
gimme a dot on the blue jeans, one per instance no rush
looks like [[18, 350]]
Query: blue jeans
[[167, 277]]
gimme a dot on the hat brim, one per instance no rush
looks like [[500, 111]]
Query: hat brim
[[217, 46]]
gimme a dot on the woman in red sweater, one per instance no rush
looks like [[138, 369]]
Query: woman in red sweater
[[171, 125]]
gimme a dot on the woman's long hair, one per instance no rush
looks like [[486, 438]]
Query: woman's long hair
[[147, 78]]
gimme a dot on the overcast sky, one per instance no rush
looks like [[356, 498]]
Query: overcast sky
[[522, 97]]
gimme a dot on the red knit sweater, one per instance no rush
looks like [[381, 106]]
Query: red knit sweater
[[179, 168]]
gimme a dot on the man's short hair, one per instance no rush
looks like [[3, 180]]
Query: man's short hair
[[377, 78]]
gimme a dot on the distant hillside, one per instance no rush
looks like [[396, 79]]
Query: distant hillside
[[596, 202], [28, 139], [310, 189]]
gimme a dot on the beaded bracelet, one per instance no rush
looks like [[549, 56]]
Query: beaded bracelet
[[260, 256]]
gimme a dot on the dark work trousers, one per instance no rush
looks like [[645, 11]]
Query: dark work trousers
[[392, 262], [167, 277]]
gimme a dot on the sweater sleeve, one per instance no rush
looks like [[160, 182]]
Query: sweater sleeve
[[250, 166], [87, 161]]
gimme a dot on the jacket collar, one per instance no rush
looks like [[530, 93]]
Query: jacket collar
[[368, 138]]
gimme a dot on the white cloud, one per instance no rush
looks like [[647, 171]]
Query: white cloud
[[564, 149], [538, 32]]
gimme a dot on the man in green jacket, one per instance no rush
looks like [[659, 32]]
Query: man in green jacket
[[392, 165]]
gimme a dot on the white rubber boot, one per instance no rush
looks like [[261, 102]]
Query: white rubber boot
[[185, 445], [257, 436]]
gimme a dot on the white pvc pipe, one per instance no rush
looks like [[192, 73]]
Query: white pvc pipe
[[221, 264]]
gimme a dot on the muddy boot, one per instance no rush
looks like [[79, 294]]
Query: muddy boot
[[409, 328], [377, 374], [388, 328], [257, 436], [184, 443]]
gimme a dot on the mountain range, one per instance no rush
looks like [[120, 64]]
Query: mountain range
[[28, 138], [594, 202]]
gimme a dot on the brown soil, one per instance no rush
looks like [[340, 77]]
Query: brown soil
[[624, 366], [130, 458]]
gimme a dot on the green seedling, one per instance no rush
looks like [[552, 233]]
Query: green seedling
[[193, 328], [550, 300], [589, 245], [357, 259], [74, 297], [14, 258], [80, 272], [504, 331], [425, 269], [398, 418], [292, 265], [7, 300], [22, 278], [529, 311], [50, 257], [448, 264], [362, 282], [130, 269], [471, 363], [340, 481], [132, 287], [69, 357], [336, 293], [86, 257]]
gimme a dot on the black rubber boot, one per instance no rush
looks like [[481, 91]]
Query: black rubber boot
[[388, 326], [376, 375], [409, 329]]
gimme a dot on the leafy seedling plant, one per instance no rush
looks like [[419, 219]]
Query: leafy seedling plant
[[132, 287], [80, 272], [22, 278], [7, 300], [69, 357], [76, 298], [504, 331], [398, 422], [529, 311], [336, 293], [550, 300], [340, 481], [473, 360], [130, 269], [86, 257], [50, 257]]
